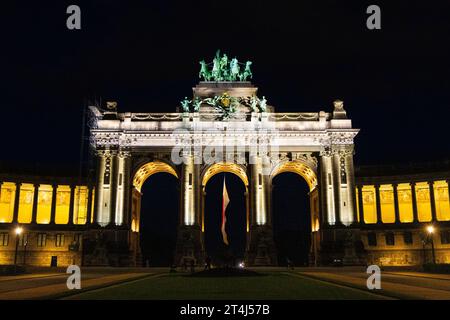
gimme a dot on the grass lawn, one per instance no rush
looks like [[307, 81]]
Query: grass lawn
[[272, 286]]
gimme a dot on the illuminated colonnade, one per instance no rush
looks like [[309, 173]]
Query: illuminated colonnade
[[43, 204], [415, 202]]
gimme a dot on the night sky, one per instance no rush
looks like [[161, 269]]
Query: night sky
[[144, 54]]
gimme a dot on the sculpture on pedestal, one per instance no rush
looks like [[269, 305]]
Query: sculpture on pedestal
[[225, 70]]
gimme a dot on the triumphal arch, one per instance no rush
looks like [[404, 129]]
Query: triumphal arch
[[225, 127]]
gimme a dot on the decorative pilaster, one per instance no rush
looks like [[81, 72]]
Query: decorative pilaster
[[396, 205], [35, 203], [432, 201]]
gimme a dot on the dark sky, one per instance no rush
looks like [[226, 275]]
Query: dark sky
[[144, 54]]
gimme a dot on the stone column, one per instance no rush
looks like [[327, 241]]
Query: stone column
[[396, 205], [448, 190], [378, 203], [123, 180], [432, 202], [113, 188], [188, 192], [203, 210], [347, 187], [105, 179], [35, 203], [260, 245], [53, 207], [337, 188], [414, 202], [16, 203], [327, 189], [89, 205], [189, 238], [257, 183], [247, 210], [71, 204], [361, 205]]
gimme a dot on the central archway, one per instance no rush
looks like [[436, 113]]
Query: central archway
[[295, 226], [237, 212]]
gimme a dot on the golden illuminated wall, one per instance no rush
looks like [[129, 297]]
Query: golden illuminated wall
[[441, 200], [62, 205], [80, 205], [423, 201], [25, 203], [44, 207], [405, 204], [387, 203], [369, 204], [7, 196]]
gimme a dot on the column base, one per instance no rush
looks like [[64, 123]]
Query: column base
[[260, 247]]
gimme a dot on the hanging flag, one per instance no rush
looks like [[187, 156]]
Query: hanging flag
[[225, 201]]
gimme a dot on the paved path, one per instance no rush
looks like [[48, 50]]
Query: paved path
[[403, 285], [42, 286]]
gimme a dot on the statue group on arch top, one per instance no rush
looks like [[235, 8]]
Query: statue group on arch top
[[225, 104], [224, 69]]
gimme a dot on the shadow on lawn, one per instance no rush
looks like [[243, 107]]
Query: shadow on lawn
[[226, 272]]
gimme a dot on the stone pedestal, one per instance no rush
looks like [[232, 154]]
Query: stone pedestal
[[189, 246], [260, 247]]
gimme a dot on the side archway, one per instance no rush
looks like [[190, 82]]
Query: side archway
[[155, 246]]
